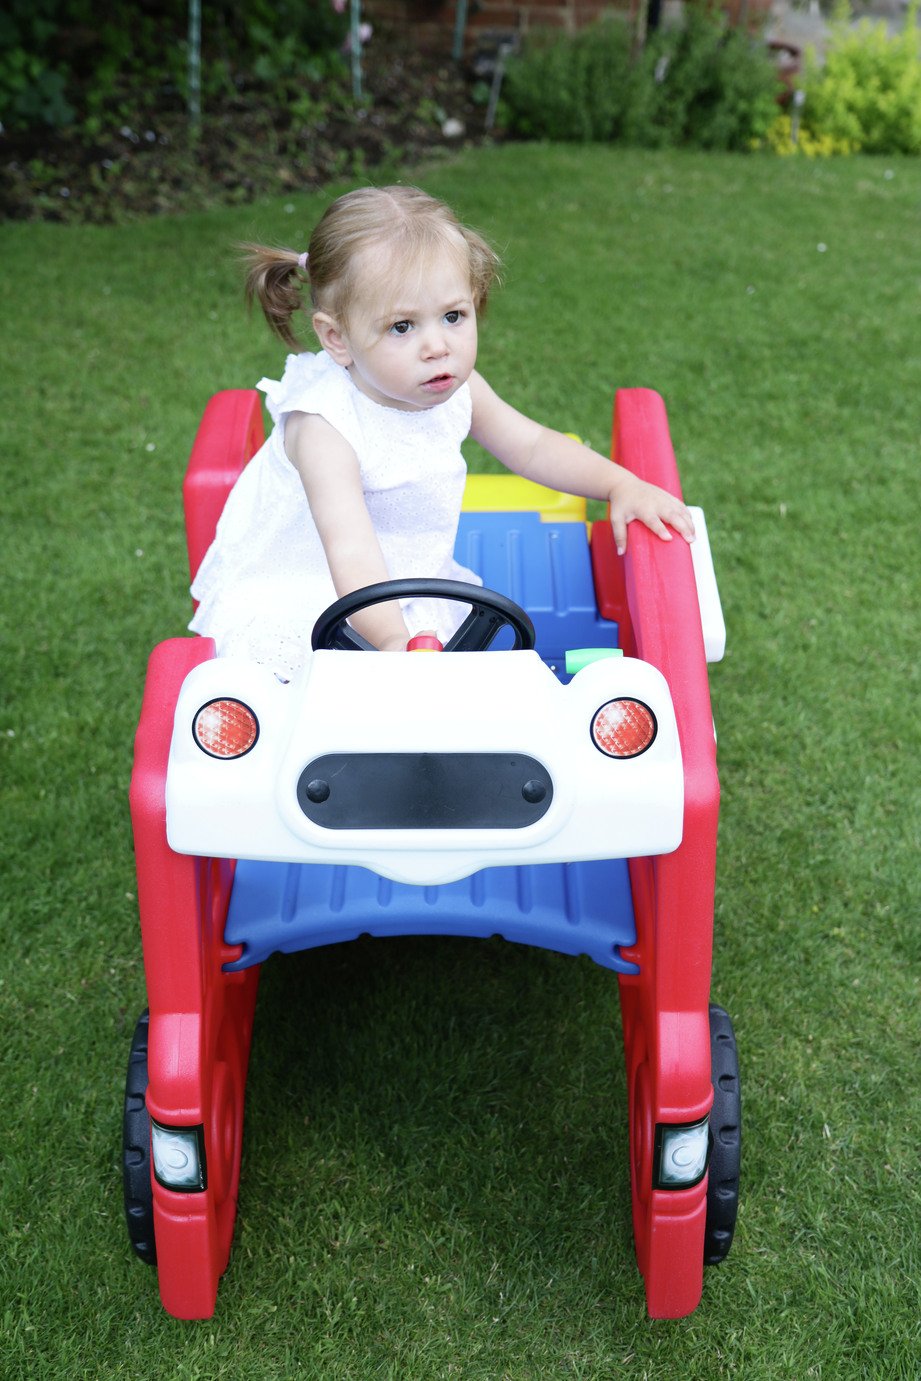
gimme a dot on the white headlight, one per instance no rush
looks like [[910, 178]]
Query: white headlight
[[178, 1156], [682, 1154]]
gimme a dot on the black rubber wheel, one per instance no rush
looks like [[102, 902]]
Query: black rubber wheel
[[136, 1149], [726, 1133]]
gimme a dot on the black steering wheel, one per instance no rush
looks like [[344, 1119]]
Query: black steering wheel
[[490, 612]]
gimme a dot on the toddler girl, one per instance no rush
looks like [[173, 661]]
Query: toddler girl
[[362, 477]]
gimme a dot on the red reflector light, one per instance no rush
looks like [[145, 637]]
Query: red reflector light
[[225, 728], [623, 728]]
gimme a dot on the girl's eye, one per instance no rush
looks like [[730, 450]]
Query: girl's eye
[[399, 328], [452, 318]]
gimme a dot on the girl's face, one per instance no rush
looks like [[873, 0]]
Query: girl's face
[[414, 347]]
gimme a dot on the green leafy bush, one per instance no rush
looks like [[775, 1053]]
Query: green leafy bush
[[698, 83], [64, 62], [574, 88], [32, 87], [867, 96], [704, 84], [30, 92], [806, 143]]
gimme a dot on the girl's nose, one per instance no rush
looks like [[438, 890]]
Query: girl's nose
[[434, 345]]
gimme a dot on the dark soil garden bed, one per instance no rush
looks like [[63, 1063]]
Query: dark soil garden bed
[[416, 106]]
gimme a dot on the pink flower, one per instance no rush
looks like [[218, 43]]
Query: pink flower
[[364, 33], [339, 6]]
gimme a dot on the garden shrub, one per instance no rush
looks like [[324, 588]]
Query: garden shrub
[[698, 83], [867, 96], [68, 61], [780, 139], [573, 87], [32, 87], [704, 84]]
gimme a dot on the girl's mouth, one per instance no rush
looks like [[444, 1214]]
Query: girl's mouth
[[439, 383]]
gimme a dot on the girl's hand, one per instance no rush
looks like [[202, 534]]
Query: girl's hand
[[560, 462], [399, 644], [632, 498]]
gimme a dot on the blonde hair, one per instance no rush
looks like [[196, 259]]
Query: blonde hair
[[404, 220]]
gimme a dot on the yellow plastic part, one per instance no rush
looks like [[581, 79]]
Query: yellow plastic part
[[514, 494]]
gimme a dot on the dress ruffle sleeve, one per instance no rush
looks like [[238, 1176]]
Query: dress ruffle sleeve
[[314, 383]]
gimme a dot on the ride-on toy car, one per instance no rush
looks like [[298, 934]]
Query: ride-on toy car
[[549, 778]]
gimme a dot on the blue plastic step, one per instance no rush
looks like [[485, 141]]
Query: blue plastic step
[[544, 567], [573, 908]]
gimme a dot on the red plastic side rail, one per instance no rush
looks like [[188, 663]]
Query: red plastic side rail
[[200, 1018], [229, 434], [665, 1008]]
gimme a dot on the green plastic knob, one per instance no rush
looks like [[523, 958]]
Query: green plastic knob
[[581, 657]]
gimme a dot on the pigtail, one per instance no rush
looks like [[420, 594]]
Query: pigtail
[[275, 279]]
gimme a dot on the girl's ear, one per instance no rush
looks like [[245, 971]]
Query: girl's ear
[[331, 338]]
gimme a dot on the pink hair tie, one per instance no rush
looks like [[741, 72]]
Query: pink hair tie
[[302, 261]]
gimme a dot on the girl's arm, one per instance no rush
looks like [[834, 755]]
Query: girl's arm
[[331, 477], [558, 461]]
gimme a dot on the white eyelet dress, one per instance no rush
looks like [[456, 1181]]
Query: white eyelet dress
[[264, 580]]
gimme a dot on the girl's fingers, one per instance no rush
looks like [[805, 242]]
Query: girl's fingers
[[656, 525], [683, 522], [655, 519], [619, 524]]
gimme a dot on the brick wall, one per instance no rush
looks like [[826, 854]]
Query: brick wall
[[430, 23]]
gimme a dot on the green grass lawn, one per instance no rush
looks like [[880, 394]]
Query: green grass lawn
[[435, 1168]]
